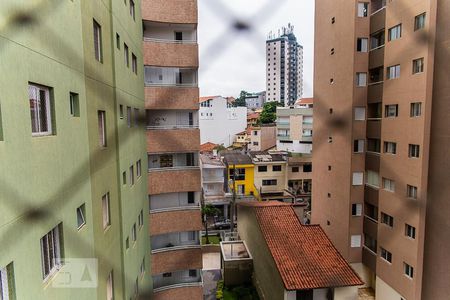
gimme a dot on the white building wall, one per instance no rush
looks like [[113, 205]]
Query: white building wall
[[219, 124], [385, 291], [296, 146]]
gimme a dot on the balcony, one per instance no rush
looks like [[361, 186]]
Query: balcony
[[175, 221], [378, 17], [369, 259], [172, 140], [170, 11], [175, 241], [177, 279], [170, 53], [373, 161], [171, 180], [374, 128], [370, 226], [174, 201], [176, 259], [171, 97], [371, 196], [170, 76]]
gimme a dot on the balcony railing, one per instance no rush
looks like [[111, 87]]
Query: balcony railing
[[175, 241], [167, 41], [176, 77], [175, 126], [173, 168], [176, 279]]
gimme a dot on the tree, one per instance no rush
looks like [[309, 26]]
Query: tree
[[240, 101], [208, 211], [269, 113]]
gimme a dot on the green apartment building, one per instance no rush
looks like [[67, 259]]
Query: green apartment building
[[73, 177]]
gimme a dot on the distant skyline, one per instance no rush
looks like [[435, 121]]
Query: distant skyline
[[241, 64]]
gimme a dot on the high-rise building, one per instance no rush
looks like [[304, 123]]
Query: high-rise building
[[73, 182], [173, 145], [284, 67], [380, 130]]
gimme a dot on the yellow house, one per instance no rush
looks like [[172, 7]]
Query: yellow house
[[240, 169]]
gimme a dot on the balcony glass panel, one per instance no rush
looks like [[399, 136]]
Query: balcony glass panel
[[174, 200], [377, 39], [157, 76], [376, 75], [374, 110], [173, 160], [373, 145], [171, 119], [175, 239], [170, 33], [183, 278]]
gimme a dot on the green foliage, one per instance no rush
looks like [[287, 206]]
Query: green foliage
[[242, 292], [209, 211], [240, 101], [220, 147], [214, 240], [219, 292], [269, 113]]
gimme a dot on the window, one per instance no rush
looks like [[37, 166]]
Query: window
[[110, 287], [129, 124], [393, 72], [192, 273], [106, 211], [371, 211], [138, 169], [166, 161], [121, 111], [102, 128], [419, 22], [356, 209], [136, 117], [131, 175], [295, 169], [413, 150], [391, 110], [395, 32], [417, 66], [191, 197], [141, 219], [357, 178], [358, 146], [370, 243], [355, 241], [386, 255], [387, 219], [373, 145], [125, 53], [255, 133], [362, 44], [377, 39], [390, 147], [132, 10], [7, 288], [255, 143], [409, 271], [307, 168], [389, 185], [262, 168], [276, 168], [133, 63], [81, 212], [240, 174], [127, 243], [416, 109], [411, 191], [142, 269], [363, 9], [51, 251], [133, 233], [410, 231], [40, 109], [267, 182], [124, 178], [372, 178], [117, 41], [360, 113], [74, 105], [361, 79], [98, 42]]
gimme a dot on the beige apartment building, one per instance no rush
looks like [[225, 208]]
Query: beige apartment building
[[173, 144], [262, 137], [380, 130]]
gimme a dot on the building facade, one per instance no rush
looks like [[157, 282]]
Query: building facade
[[284, 67], [220, 121], [378, 197], [255, 100], [84, 200], [262, 137], [173, 145]]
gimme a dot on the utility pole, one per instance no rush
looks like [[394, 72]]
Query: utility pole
[[233, 200]]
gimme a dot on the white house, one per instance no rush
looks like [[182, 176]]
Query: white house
[[219, 121]]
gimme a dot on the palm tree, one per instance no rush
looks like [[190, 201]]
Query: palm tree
[[208, 211]]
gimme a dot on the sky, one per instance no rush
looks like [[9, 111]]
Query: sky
[[230, 60]]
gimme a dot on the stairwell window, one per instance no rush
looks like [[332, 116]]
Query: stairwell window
[[355, 241], [418, 66], [51, 245], [393, 72], [357, 178], [106, 211], [132, 175], [419, 21], [102, 128], [395, 32], [98, 41], [7, 285], [41, 110]]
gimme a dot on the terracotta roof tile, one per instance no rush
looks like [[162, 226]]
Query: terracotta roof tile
[[206, 98], [304, 255], [207, 147], [305, 101]]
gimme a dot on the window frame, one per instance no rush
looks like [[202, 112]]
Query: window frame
[[395, 32], [418, 65], [262, 169], [408, 270], [357, 209], [391, 110], [35, 90], [81, 213], [411, 191], [415, 109], [413, 151], [102, 138], [51, 242], [387, 220], [396, 72], [410, 231], [98, 47], [419, 21], [106, 211], [386, 255]]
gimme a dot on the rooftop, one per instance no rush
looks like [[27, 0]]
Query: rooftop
[[304, 101], [236, 158], [305, 257], [264, 156], [208, 159], [207, 147], [235, 250], [206, 98]]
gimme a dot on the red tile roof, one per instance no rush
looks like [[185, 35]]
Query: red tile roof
[[206, 98], [253, 116], [304, 255], [207, 147], [305, 101]]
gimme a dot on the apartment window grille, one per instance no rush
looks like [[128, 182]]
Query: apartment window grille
[[117, 41], [126, 55], [391, 110], [133, 233], [356, 209], [74, 105], [40, 110], [389, 185], [390, 147], [370, 243], [133, 63], [138, 169], [129, 123], [409, 271], [418, 65], [307, 168], [295, 169], [360, 113], [268, 182], [106, 211], [7, 286], [363, 9], [413, 151], [98, 41], [132, 10], [81, 213], [51, 245], [386, 255], [102, 128], [276, 168], [191, 197], [393, 72], [136, 117], [124, 177], [395, 32], [410, 231], [373, 145], [262, 168], [416, 109], [387, 219], [372, 178], [419, 21], [358, 146], [355, 241], [411, 191], [362, 45], [132, 175], [110, 287], [357, 178], [361, 79]]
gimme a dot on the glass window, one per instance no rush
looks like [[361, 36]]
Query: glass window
[[373, 145], [276, 168], [102, 128], [372, 178], [74, 105], [409, 271], [262, 168], [393, 72], [126, 55], [356, 209], [307, 168], [51, 251], [413, 151], [411, 191], [361, 79], [81, 212], [370, 243], [419, 22], [395, 32], [40, 109], [97, 41], [106, 211], [387, 219], [7, 286], [418, 66], [391, 110], [410, 231], [390, 147], [362, 45], [357, 178], [363, 9], [267, 182], [358, 146], [416, 109], [355, 241], [389, 185], [360, 113], [386, 255]]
